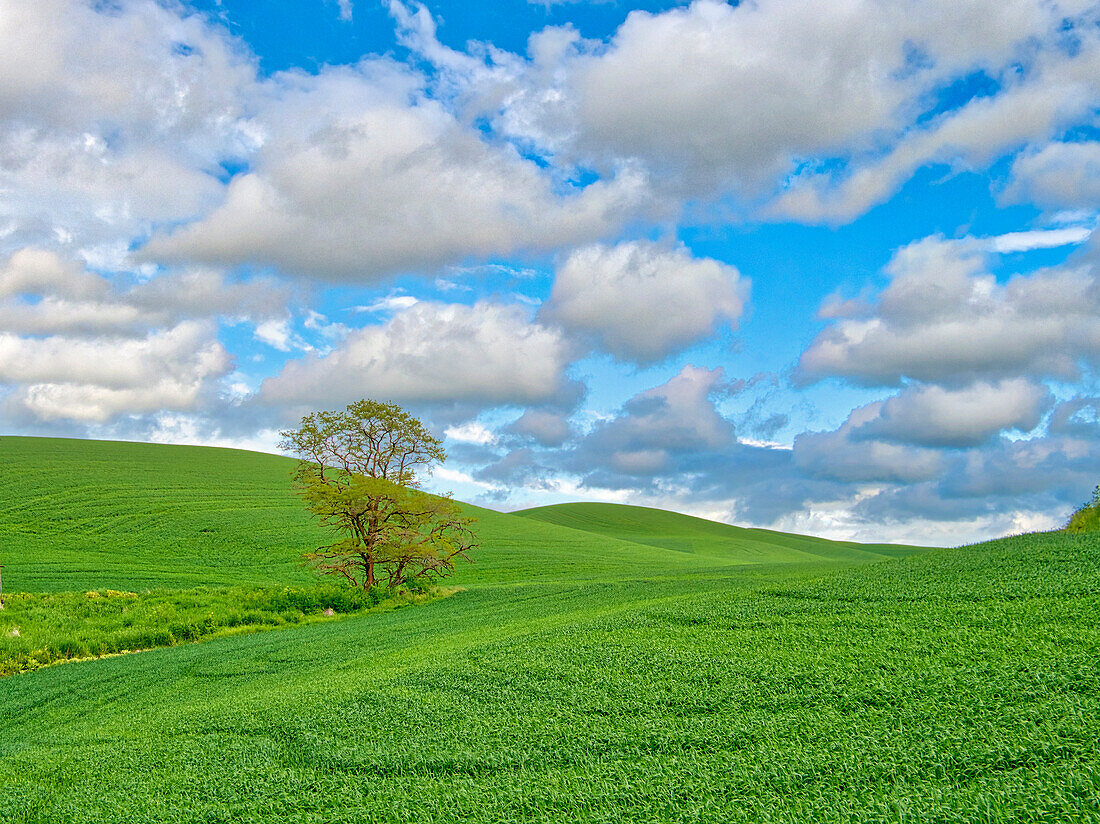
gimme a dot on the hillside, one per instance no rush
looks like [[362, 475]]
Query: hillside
[[580, 676], [78, 515], [721, 542]]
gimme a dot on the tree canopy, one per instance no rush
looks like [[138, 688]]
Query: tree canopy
[[359, 472]]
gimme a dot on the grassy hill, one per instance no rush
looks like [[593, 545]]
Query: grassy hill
[[603, 664], [80, 515], [721, 542]]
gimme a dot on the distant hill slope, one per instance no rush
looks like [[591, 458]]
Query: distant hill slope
[[78, 514], [698, 536], [81, 514]]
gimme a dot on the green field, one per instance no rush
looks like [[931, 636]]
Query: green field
[[603, 664]]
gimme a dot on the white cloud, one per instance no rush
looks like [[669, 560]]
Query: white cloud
[[658, 425], [834, 103], [197, 292], [842, 456], [642, 301], [277, 334], [42, 293], [114, 115], [390, 303], [545, 427], [1057, 176], [78, 346], [472, 432], [1039, 239], [40, 273], [716, 91], [715, 95], [1057, 91], [485, 355], [934, 416], [195, 429], [368, 185], [77, 379], [943, 319]]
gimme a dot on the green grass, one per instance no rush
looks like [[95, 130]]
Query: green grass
[[720, 542], [41, 629], [584, 675], [81, 515]]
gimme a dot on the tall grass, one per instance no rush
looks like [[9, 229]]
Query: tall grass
[[37, 630]]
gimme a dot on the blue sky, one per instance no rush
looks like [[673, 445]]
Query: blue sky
[[826, 267]]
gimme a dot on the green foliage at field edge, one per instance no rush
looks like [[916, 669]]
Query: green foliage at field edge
[[1087, 518], [38, 630]]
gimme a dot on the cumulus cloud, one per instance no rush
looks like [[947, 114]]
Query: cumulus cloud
[[714, 96], [81, 347], [659, 424], [1044, 476], [370, 184], [114, 115], [545, 427], [1057, 176], [96, 380], [943, 319], [643, 301], [1057, 90], [43, 293], [938, 417], [898, 441], [925, 465], [843, 456], [484, 355], [41, 273], [718, 91], [471, 432], [1078, 418]]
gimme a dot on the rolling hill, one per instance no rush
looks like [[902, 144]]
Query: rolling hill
[[721, 542], [78, 515], [603, 664]]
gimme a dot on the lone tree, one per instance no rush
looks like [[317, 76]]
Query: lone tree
[[358, 474]]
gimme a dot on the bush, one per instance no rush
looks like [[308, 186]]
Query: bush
[[1087, 518], [37, 630]]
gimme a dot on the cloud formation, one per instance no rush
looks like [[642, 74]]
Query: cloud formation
[[76, 347], [376, 178], [485, 355], [113, 116], [1059, 175], [830, 105], [938, 417], [656, 426], [642, 301], [944, 319], [59, 377]]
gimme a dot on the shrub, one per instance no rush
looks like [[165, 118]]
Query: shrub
[[1087, 518]]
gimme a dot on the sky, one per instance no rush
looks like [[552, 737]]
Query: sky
[[827, 267]]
